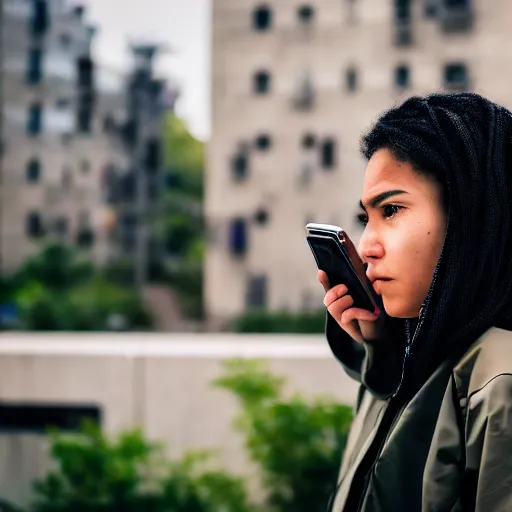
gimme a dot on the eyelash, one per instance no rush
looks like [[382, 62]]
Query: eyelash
[[363, 217]]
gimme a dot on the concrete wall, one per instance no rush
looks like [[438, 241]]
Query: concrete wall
[[161, 383]]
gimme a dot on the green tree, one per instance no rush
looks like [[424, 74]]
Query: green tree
[[297, 443], [97, 473]]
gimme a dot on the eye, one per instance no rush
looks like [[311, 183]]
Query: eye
[[390, 210], [362, 219]]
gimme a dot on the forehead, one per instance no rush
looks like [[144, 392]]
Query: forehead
[[385, 172]]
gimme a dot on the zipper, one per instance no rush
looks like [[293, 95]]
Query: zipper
[[409, 341]]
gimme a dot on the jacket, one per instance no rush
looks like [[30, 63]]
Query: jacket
[[447, 448]]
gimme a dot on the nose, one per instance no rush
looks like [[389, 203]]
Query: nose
[[370, 247]]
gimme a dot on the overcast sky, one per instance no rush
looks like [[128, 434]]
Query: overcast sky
[[182, 24]]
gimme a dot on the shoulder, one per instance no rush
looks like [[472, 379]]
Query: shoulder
[[487, 364]]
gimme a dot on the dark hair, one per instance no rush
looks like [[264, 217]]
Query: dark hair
[[465, 142]]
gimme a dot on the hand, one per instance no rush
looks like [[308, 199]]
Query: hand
[[359, 324]]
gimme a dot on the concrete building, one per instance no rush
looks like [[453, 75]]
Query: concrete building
[[294, 85], [159, 384], [55, 148]]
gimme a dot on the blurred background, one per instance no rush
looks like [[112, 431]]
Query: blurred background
[[162, 324]]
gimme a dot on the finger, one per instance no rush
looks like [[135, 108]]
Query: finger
[[334, 294], [356, 314], [337, 308], [324, 280]]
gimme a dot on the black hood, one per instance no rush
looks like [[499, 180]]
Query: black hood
[[466, 141]]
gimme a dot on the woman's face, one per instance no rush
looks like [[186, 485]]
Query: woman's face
[[404, 233]]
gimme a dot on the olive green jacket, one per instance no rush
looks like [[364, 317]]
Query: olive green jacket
[[449, 448]]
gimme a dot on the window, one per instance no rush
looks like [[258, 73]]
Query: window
[[85, 166], [454, 4], [256, 295], [85, 72], [35, 119], [262, 19], [34, 66], [65, 40], [402, 76], [37, 418], [403, 10], [40, 19], [263, 142], [63, 103], [456, 76], [84, 120], [262, 82], [66, 177], [261, 216], [306, 14], [308, 141], [351, 79], [430, 9], [328, 154], [238, 237], [33, 174], [61, 226], [152, 162], [34, 225], [240, 163]]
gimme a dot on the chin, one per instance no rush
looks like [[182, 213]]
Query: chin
[[398, 308]]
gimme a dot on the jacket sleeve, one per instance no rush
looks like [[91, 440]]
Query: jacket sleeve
[[377, 365], [489, 444]]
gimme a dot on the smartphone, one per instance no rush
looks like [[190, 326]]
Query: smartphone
[[337, 256]]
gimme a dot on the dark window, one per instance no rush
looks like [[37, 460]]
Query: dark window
[[40, 19], [84, 238], [85, 166], [328, 154], [403, 10], [240, 164], [34, 225], [402, 76], [453, 4], [33, 170], [85, 72], [430, 9], [35, 66], [308, 141], [63, 103], [152, 161], [306, 14], [238, 237], [38, 418], [263, 142], [66, 178], [61, 226], [256, 292], [84, 120], [65, 39], [262, 82], [351, 80], [262, 19], [261, 216], [456, 76], [35, 119]]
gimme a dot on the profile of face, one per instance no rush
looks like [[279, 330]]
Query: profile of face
[[405, 225]]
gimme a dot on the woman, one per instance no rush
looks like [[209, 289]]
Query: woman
[[433, 427]]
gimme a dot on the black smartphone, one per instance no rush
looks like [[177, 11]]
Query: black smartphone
[[337, 256]]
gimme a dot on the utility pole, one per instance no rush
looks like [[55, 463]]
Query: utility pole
[[145, 109]]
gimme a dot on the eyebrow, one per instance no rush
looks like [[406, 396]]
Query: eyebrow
[[379, 198]]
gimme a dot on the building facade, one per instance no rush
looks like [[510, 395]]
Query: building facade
[[55, 147], [294, 85]]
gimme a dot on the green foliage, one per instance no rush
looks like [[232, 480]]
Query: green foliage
[[280, 322], [297, 444], [96, 473], [184, 158], [57, 291]]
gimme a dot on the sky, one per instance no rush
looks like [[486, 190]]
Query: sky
[[182, 25]]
